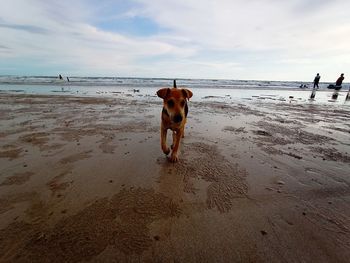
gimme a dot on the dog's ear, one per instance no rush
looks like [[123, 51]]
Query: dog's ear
[[187, 93], [163, 93]]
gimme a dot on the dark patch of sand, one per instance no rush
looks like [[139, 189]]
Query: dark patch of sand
[[331, 154], [121, 222], [39, 139], [7, 202], [235, 130], [17, 178], [11, 154], [76, 157]]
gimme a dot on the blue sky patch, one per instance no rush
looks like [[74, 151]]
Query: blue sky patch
[[137, 26]]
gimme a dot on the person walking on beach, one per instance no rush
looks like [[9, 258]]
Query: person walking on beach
[[339, 82], [317, 80]]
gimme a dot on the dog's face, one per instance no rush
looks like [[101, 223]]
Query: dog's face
[[174, 102]]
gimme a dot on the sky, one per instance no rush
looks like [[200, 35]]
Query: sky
[[211, 39]]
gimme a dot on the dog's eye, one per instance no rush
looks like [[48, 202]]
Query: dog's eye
[[170, 103], [182, 103]]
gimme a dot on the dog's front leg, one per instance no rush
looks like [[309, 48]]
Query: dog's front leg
[[174, 158], [163, 133], [183, 131], [174, 140]]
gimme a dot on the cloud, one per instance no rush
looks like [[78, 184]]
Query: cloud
[[4, 47], [251, 39], [250, 25], [30, 29], [273, 31], [78, 44]]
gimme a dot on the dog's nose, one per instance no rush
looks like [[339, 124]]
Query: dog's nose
[[177, 118]]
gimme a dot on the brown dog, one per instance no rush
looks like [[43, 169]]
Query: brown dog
[[174, 115]]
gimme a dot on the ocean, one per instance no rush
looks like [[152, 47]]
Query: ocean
[[142, 88], [153, 82]]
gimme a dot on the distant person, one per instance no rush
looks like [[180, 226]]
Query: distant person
[[339, 82], [317, 80], [67, 79], [60, 76]]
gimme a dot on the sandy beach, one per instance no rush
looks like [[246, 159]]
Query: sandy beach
[[84, 179]]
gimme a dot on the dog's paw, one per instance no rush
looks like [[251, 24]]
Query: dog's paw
[[166, 151], [173, 158]]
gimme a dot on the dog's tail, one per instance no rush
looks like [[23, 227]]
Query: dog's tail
[[175, 83]]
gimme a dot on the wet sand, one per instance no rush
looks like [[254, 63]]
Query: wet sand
[[84, 179]]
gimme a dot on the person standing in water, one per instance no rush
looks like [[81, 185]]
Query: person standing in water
[[339, 82], [317, 80]]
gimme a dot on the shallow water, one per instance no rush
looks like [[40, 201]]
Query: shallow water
[[200, 94]]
